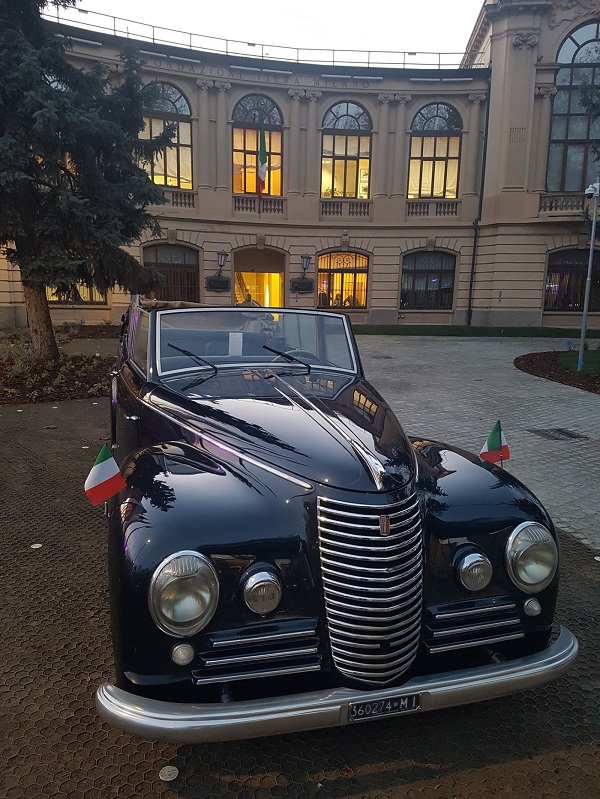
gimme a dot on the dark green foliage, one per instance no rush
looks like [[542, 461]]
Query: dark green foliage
[[72, 192]]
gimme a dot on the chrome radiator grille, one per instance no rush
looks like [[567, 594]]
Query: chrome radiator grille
[[372, 568]]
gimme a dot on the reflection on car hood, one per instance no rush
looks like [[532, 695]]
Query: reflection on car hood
[[337, 432]]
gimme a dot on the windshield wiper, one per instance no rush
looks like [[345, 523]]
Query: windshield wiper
[[200, 361], [288, 357]]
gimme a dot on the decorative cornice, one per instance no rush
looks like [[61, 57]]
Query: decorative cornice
[[296, 94], [545, 90], [477, 97], [401, 97], [570, 10], [312, 96], [385, 97], [204, 85], [222, 86], [527, 40]]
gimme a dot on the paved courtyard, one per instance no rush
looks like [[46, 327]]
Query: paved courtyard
[[56, 636], [454, 389]]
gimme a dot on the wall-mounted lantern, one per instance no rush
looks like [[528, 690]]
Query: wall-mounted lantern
[[219, 282], [303, 284]]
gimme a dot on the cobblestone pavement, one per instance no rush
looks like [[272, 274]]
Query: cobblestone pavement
[[454, 389], [56, 637]]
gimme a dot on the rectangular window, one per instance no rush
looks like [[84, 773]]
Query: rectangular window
[[245, 161], [88, 296], [433, 168]]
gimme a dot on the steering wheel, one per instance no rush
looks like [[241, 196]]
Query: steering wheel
[[301, 355]]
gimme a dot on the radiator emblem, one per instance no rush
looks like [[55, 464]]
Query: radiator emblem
[[384, 525]]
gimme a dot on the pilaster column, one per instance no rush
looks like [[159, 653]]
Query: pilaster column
[[401, 154], [383, 124], [469, 155], [202, 150], [223, 143], [313, 149], [293, 157], [544, 109]]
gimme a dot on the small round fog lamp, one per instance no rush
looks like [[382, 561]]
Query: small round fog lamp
[[474, 571], [262, 592], [182, 654]]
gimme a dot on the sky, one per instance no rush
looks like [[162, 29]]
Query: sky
[[435, 26]]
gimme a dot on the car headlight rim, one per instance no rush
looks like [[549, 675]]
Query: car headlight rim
[[193, 595], [257, 581], [474, 571], [534, 540]]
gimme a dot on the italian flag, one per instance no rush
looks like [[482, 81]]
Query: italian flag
[[104, 481], [262, 157], [495, 450]]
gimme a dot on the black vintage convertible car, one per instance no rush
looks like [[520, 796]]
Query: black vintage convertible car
[[285, 557]]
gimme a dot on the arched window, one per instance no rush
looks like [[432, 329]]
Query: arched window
[[435, 153], [572, 164], [342, 280], [168, 106], [179, 267], [565, 283], [247, 116], [346, 152], [427, 281]]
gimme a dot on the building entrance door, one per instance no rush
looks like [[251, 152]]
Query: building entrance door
[[259, 278]]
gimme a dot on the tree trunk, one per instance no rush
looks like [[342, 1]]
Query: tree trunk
[[43, 340]]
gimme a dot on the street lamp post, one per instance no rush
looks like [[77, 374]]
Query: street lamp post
[[593, 190]]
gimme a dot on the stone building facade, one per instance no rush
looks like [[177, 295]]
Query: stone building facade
[[401, 194]]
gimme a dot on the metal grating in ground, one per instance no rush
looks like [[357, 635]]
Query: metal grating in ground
[[559, 434], [56, 648]]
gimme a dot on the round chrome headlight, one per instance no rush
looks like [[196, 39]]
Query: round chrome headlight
[[262, 592], [531, 557], [183, 595], [474, 571]]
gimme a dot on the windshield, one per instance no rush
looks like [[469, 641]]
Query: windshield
[[192, 339]]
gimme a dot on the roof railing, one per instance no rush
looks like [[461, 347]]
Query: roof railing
[[143, 32]]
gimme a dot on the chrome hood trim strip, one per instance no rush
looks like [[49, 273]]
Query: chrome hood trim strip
[[374, 467]]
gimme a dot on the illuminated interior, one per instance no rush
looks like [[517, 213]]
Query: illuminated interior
[[87, 296], [345, 166], [262, 288], [342, 281], [173, 166], [245, 161], [433, 170]]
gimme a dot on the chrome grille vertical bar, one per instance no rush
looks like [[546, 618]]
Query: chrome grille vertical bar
[[389, 541]]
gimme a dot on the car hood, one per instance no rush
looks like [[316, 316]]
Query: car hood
[[338, 432]]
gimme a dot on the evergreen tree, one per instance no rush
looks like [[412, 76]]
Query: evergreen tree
[[72, 188]]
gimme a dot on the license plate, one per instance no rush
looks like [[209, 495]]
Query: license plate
[[394, 706]]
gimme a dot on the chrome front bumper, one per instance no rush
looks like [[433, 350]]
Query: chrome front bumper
[[191, 723]]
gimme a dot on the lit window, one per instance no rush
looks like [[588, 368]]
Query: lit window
[[572, 164], [427, 281], [364, 404], [346, 152], [173, 166], [179, 269], [565, 283], [247, 116], [435, 153], [84, 295], [343, 280]]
